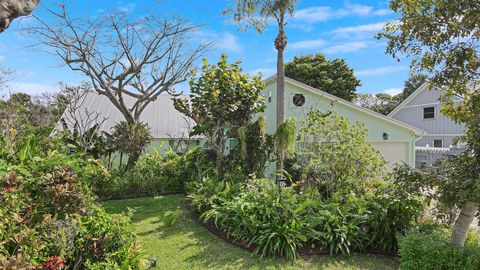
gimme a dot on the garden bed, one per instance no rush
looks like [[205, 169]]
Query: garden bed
[[187, 245], [303, 251]]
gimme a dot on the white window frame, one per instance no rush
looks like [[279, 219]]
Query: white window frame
[[441, 146], [423, 113]]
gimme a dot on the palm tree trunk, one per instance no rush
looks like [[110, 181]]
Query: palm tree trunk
[[280, 87], [464, 219], [280, 45]]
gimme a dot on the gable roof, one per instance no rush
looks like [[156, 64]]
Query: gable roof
[[161, 116], [417, 131], [411, 97]]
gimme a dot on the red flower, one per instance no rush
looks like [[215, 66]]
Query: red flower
[[6, 189]]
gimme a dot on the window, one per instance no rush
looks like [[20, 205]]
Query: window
[[298, 100], [438, 143], [429, 113]]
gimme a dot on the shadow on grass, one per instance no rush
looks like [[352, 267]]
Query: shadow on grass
[[188, 245]]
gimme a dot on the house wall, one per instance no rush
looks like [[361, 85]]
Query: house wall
[[397, 136], [441, 127]]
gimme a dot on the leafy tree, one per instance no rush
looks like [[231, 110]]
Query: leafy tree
[[384, 103], [381, 102], [334, 77], [442, 38], [412, 84], [335, 153], [258, 13], [222, 100]]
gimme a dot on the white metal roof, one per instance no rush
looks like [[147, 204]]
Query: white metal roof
[[160, 115]]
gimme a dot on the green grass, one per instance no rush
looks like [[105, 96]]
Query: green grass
[[187, 245]]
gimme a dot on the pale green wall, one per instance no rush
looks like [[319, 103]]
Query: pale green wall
[[375, 126]]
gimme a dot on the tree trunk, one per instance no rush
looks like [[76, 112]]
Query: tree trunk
[[132, 159], [280, 44], [11, 9], [464, 219]]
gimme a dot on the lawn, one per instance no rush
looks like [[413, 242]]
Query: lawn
[[188, 245]]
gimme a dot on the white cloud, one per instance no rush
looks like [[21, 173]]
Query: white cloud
[[31, 88], [228, 41], [380, 71], [307, 44], [265, 72], [223, 41], [382, 12], [393, 91], [318, 14], [313, 14], [373, 27], [127, 8], [348, 47]]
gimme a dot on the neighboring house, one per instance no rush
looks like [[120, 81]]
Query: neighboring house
[[169, 128], [394, 139], [422, 110]]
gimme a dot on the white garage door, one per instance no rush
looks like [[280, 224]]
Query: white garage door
[[393, 152]]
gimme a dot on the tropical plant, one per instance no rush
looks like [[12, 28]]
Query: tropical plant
[[222, 101], [285, 142], [255, 146], [131, 139]]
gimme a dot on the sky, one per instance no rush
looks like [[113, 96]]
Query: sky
[[338, 29]]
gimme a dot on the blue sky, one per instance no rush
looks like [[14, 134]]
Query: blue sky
[[339, 29]]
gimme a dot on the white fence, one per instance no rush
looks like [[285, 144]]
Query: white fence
[[430, 155]]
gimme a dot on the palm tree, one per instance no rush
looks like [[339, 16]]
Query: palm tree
[[257, 13]]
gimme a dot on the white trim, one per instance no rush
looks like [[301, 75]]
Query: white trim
[[441, 140], [434, 113], [413, 95], [417, 131], [440, 135], [428, 104]]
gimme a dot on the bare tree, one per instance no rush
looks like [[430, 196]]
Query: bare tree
[[5, 77], [12, 9], [130, 62]]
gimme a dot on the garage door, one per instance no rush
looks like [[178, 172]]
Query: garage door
[[393, 152]]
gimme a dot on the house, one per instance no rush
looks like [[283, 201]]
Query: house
[[422, 110], [168, 127], [393, 138]]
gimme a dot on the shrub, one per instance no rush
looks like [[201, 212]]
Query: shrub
[[431, 250], [153, 174], [48, 217], [391, 210], [334, 154]]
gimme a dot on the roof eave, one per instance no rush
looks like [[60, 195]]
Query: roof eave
[[417, 131]]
